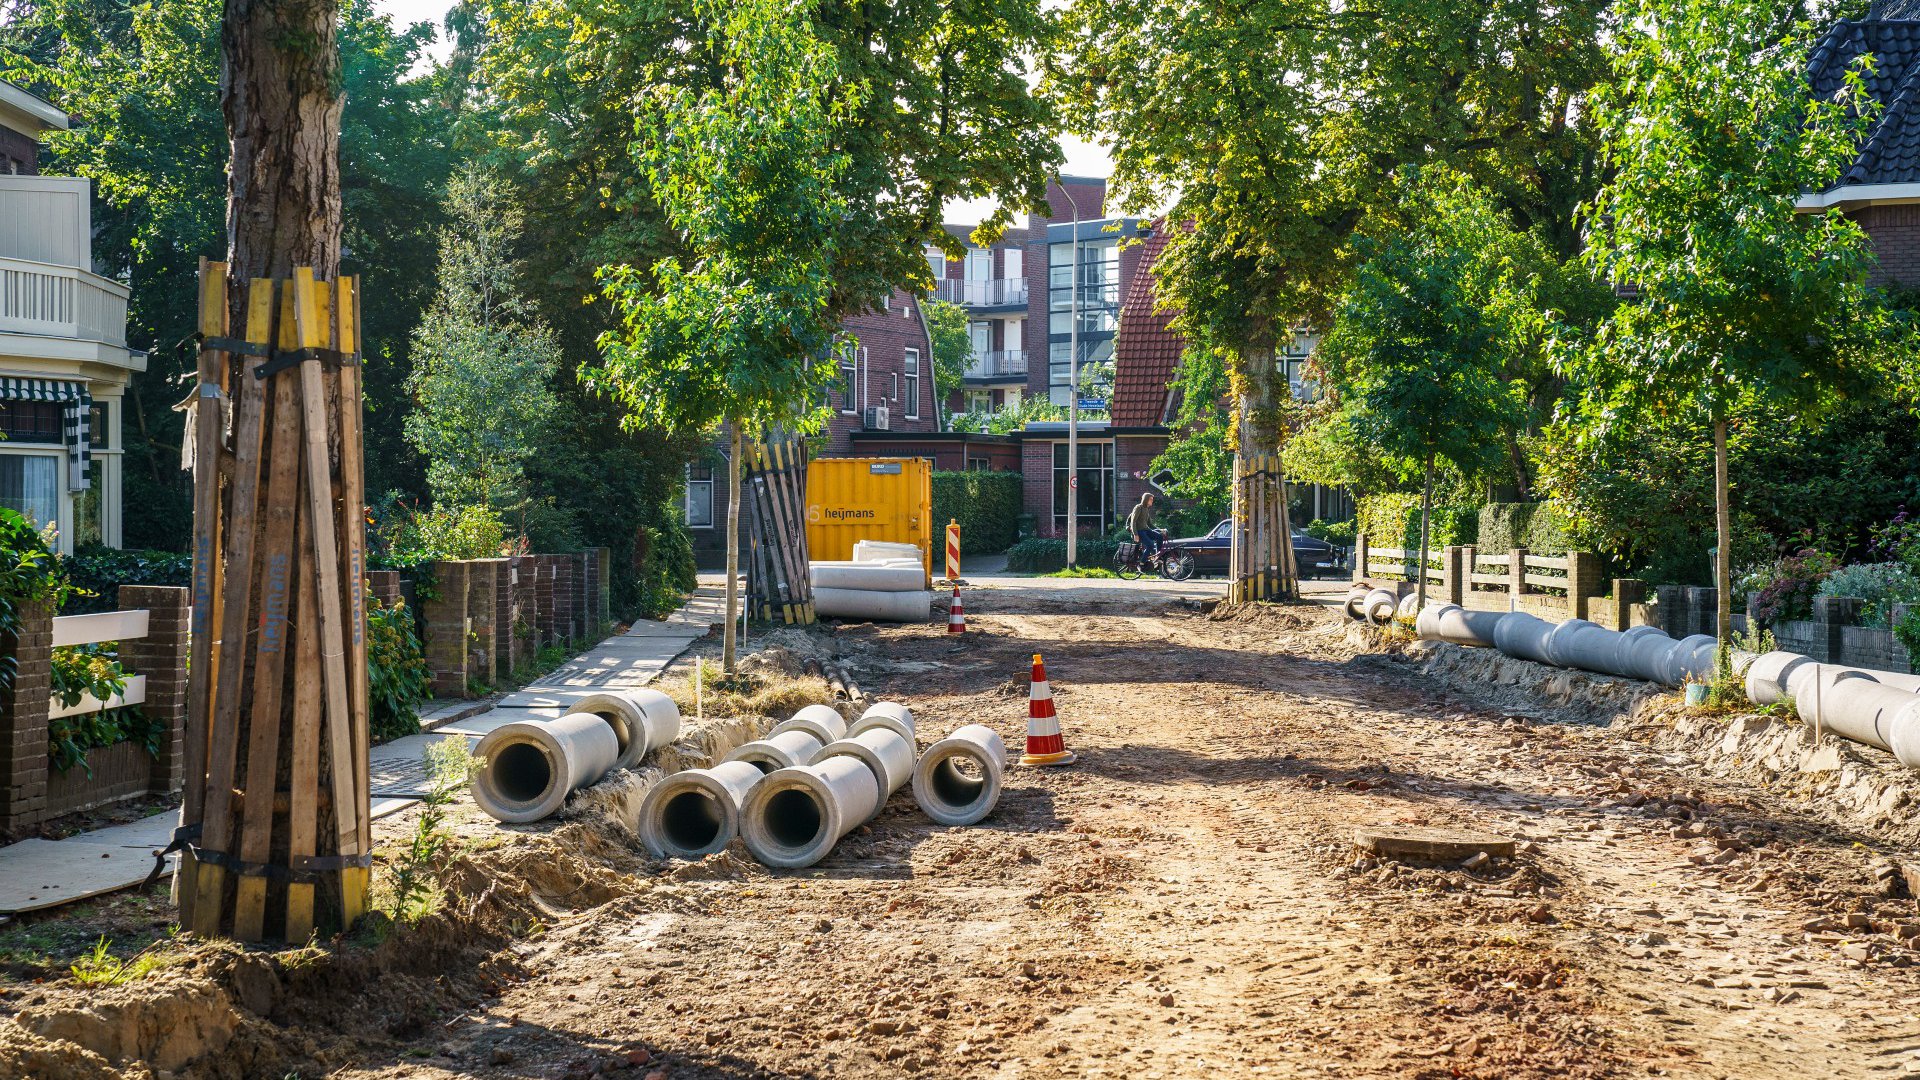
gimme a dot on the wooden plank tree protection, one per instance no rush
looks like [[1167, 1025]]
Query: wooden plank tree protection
[[283, 844], [778, 575]]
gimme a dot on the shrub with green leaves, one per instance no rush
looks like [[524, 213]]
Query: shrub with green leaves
[[82, 670], [29, 572], [98, 572], [1393, 520], [1337, 533], [1540, 527], [1044, 555], [1879, 585], [398, 678], [406, 535], [986, 504]]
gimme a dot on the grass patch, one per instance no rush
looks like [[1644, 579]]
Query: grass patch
[[746, 693], [99, 967], [413, 886], [1083, 572]]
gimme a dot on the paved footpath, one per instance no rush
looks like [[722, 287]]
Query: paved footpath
[[37, 874]]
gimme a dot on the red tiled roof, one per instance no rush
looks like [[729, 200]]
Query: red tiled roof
[[1145, 351]]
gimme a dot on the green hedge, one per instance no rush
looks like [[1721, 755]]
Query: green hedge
[[986, 504], [100, 571], [1044, 555], [1539, 527], [1393, 520]]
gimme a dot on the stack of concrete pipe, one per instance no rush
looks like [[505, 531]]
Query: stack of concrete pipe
[[1373, 604], [885, 582], [1643, 652], [1865, 705], [529, 767], [792, 810]]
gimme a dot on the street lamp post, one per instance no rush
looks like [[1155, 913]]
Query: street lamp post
[[1073, 390]]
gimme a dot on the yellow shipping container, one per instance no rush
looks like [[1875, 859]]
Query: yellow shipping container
[[853, 499]]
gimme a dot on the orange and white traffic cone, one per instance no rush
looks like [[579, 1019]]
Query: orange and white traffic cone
[[1044, 744], [956, 618]]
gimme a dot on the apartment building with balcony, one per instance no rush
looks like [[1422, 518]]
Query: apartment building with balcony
[[64, 360]]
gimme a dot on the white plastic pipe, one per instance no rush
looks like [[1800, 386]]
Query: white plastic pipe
[[643, 720], [795, 816], [916, 606], [959, 778], [782, 751], [695, 813], [885, 752], [822, 722], [887, 714], [878, 577], [1644, 653], [1692, 657], [529, 767]]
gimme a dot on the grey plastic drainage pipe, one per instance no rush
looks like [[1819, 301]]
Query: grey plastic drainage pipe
[[643, 720], [530, 766], [782, 751], [795, 816], [1451, 622], [885, 714], [695, 813], [885, 753], [819, 721], [1523, 635], [959, 778]]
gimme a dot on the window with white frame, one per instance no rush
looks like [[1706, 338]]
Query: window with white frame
[[30, 484], [699, 496], [913, 384], [848, 372]]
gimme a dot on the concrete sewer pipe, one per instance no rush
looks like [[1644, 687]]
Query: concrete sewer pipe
[[879, 577], [1777, 676], [529, 767], [695, 813], [885, 753], [782, 751], [1379, 605], [1356, 595], [873, 605], [643, 720], [959, 778], [823, 722], [885, 714], [795, 816]]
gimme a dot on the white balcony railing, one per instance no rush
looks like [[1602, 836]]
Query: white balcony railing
[[997, 362], [61, 301], [994, 292]]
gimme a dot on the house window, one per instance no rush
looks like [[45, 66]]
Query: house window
[[700, 496], [937, 262], [893, 381], [979, 401], [30, 484], [913, 384], [1096, 485], [978, 464], [847, 374], [32, 421]]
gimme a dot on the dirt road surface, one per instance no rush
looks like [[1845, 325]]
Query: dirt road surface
[[1186, 900]]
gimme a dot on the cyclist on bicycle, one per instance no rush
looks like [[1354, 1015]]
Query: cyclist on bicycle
[[1140, 524]]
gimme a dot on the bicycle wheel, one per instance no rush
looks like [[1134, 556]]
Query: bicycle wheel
[[1177, 566], [1125, 567]]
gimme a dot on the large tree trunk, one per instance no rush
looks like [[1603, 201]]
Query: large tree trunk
[[280, 91], [1426, 525], [728, 643], [1262, 565]]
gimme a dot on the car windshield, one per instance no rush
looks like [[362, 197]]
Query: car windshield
[[1225, 528]]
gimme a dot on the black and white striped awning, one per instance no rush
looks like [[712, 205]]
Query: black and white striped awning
[[76, 409]]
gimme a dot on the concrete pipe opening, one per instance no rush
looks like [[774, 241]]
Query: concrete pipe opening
[[643, 720], [1356, 595], [529, 767], [795, 816], [1379, 605], [959, 779], [884, 714], [819, 721], [783, 751], [695, 813]]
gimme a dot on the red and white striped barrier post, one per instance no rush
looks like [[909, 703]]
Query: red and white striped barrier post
[[953, 550], [1044, 744]]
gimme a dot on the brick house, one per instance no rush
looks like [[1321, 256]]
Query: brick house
[[1881, 188]]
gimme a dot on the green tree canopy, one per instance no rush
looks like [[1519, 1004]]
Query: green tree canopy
[[484, 364], [1711, 137]]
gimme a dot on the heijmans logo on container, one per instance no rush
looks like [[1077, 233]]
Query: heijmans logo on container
[[835, 514]]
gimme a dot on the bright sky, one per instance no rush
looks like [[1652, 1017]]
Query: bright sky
[[1083, 158]]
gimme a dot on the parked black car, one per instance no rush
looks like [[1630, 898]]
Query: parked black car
[[1211, 552]]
